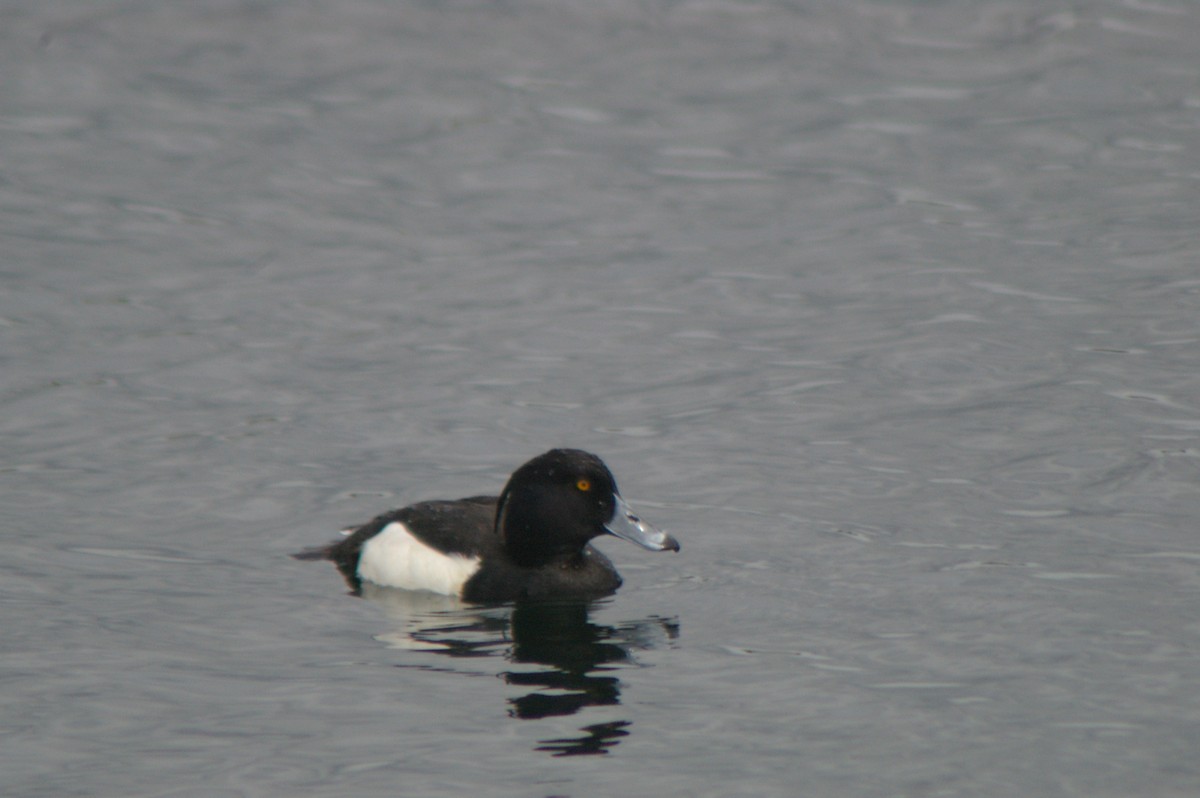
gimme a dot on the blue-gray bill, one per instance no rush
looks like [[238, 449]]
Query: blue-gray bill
[[627, 526]]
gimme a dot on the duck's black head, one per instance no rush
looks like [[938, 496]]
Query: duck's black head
[[554, 504]]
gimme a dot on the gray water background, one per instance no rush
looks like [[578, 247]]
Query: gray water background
[[889, 310]]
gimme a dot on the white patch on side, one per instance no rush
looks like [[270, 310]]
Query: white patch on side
[[394, 558]]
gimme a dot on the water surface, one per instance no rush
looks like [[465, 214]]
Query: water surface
[[888, 310]]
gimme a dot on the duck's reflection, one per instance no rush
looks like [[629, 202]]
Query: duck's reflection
[[578, 652], [598, 739], [564, 660]]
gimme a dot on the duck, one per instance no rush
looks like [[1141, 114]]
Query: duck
[[533, 541]]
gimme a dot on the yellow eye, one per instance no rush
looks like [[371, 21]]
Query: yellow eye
[[584, 485]]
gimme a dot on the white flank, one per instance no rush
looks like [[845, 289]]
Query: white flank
[[394, 558]]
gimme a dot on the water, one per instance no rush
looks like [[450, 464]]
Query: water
[[889, 311]]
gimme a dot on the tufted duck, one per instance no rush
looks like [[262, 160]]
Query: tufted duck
[[530, 542]]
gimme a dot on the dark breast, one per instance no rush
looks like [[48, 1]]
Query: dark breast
[[588, 575]]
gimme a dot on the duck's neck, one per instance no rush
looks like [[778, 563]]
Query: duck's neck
[[522, 519]]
